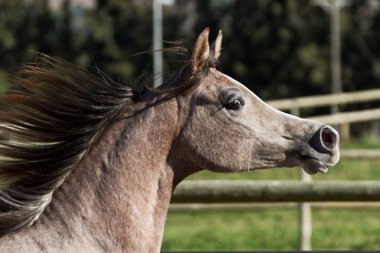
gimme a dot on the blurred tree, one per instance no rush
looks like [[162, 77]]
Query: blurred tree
[[119, 29], [277, 48], [25, 28], [270, 49]]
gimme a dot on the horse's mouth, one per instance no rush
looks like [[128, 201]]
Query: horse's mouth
[[312, 165]]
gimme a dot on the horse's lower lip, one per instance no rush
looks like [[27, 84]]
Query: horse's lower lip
[[312, 166]]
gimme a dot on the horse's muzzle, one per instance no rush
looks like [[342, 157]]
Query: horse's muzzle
[[323, 151]]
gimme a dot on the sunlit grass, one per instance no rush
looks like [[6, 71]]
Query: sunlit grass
[[231, 230], [271, 229], [343, 229]]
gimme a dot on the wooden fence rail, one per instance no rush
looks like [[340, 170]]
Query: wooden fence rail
[[326, 100], [243, 191], [349, 117], [269, 205], [344, 119], [360, 154]]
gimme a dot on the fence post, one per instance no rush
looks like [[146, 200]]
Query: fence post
[[375, 126], [344, 132], [305, 216], [305, 219]]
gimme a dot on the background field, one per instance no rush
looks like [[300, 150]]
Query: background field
[[277, 228]]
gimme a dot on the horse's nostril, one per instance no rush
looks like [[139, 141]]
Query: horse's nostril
[[325, 140], [328, 138]]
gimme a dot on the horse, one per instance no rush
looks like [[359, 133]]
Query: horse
[[89, 165]]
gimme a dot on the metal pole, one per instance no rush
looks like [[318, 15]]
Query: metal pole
[[336, 74], [157, 42]]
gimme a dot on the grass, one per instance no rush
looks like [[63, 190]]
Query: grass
[[271, 229], [231, 230], [342, 229], [277, 228]]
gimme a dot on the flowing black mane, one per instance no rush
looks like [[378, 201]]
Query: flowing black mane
[[55, 113]]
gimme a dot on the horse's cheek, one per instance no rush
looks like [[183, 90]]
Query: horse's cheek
[[212, 143]]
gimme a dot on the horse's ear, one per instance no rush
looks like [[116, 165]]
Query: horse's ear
[[216, 47], [201, 51]]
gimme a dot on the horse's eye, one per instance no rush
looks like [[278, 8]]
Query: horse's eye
[[235, 104], [232, 99]]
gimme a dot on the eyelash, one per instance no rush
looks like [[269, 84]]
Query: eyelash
[[234, 104]]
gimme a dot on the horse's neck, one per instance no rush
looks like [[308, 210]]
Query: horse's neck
[[119, 195]]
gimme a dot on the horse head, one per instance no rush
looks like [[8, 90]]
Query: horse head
[[227, 128]]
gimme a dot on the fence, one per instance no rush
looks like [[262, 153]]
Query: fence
[[242, 191], [211, 191], [248, 193], [294, 105], [305, 191], [342, 118], [326, 100]]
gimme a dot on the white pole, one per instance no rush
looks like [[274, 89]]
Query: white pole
[[157, 42], [336, 75], [305, 223], [333, 8]]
